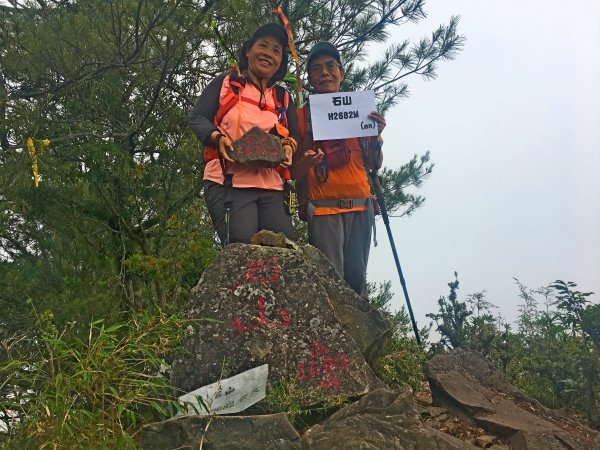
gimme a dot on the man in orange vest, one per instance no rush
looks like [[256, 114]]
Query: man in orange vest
[[340, 208]]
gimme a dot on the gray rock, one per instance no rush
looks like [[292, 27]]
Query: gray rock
[[382, 419], [287, 308], [272, 432], [472, 388], [258, 148], [367, 326]]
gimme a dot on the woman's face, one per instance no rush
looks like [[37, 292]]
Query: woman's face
[[264, 57]]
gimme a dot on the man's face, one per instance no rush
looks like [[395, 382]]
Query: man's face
[[325, 74]]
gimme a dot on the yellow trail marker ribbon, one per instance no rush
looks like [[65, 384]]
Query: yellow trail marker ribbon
[[31, 147]]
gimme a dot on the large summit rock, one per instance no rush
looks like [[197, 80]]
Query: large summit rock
[[269, 432], [285, 307]]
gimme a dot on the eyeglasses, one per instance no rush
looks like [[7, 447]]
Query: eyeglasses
[[330, 66]]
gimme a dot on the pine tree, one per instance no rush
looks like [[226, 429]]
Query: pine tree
[[99, 175]]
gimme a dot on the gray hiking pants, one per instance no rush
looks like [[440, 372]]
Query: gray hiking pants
[[345, 239], [214, 196], [252, 210]]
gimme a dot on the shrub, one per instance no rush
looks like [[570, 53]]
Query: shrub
[[92, 392]]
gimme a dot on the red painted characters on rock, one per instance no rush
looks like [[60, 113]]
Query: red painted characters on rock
[[263, 271], [323, 366], [237, 322]]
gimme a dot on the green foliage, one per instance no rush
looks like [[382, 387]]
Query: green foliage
[[86, 390], [289, 397], [570, 304], [352, 25], [397, 183], [402, 360], [590, 324], [117, 214], [117, 224], [553, 357], [452, 319]]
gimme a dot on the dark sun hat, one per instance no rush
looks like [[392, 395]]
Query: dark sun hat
[[320, 49], [273, 30]]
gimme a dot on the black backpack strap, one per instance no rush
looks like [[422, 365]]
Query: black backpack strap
[[281, 103]]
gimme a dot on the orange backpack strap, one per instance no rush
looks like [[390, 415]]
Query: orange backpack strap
[[237, 82]]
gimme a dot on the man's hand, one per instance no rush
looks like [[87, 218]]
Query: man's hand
[[313, 156], [374, 115], [309, 158]]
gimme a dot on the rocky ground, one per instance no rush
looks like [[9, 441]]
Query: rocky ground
[[447, 422], [286, 307]]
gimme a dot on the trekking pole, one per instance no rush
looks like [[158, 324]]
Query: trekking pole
[[386, 221]]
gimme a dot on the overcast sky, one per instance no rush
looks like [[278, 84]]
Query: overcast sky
[[513, 126]]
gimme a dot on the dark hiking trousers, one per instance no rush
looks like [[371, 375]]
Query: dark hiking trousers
[[252, 210], [214, 196], [255, 209]]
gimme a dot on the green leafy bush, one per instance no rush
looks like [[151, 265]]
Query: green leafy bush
[[79, 392], [289, 397], [402, 360], [554, 356]]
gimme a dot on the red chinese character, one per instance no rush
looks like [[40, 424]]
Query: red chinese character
[[329, 365], [314, 369], [300, 376], [343, 360], [333, 382], [255, 267], [317, 349], [262, 321]]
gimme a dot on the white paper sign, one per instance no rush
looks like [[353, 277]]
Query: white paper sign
[[342, 115], [230, 395]]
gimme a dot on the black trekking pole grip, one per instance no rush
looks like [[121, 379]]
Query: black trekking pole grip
[[386, 221]]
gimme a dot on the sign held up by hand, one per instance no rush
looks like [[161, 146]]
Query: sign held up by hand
[[341, 115]]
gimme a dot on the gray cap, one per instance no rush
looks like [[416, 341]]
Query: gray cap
[[323, 48]]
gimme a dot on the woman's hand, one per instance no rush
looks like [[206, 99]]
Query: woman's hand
[[288, 151], [223, 145], [379, 119]]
